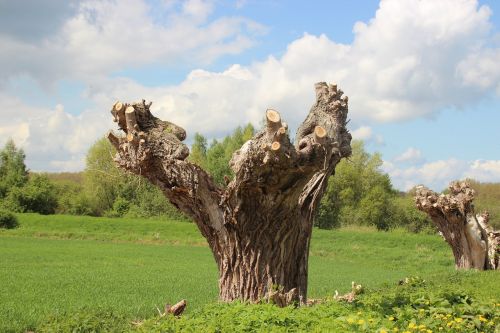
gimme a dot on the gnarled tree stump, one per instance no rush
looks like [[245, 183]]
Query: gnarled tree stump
[[473, 242], [258, 226]]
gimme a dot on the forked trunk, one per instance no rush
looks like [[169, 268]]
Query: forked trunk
[[259, 226], [473, 242]]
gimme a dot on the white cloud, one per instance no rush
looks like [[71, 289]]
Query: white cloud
[[52, 138], [389, 76], [481, 69], [413, 59], [438, 174], [484, 170], [362, 133], [108, 36], [411, 155]]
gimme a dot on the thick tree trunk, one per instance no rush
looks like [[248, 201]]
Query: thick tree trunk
[[473, 242], [259, 226]]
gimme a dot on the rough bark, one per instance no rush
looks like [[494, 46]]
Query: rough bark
[[259, 226], [473, 242]]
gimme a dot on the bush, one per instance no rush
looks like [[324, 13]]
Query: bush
[[8, 220], [75, 204], [150, 202], [120, 208], [407, 216], [37, 196], [71, 199], [375, 209]]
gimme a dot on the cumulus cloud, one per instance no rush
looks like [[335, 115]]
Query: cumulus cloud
[[413, 59], [438, 174], [52, 139], [411, 155], [108, 36], [481, 69], [362, 133], [31, 20], [389, 76]]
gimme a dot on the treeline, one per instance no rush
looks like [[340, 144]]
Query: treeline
[[359, 193], [100, 190]]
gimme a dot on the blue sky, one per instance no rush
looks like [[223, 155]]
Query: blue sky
[[422, 76]]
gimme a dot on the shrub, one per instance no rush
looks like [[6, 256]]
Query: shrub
[[120, 208], [37, 196], [8, 220], [407, 216], [411, 307]]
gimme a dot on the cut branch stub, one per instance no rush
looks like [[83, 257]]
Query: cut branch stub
[[132, 127], [113, 139], [131, 119], [280, 133], [273, 121], [319, 134], [472, 240], [118, 112], [176, 309], [330, 113]]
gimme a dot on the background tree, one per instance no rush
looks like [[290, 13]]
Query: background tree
[[13, 172], [199, 150], [259, 225], [219, 154], [21, 192], [112, 192], [38, 195], [101, 177], [71, 198], [359, 193]]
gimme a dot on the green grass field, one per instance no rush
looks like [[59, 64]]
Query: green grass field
[[63, 264]]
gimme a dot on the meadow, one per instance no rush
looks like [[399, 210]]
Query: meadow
[[56, 267]]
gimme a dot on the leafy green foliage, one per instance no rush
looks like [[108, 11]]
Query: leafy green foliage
[[38, 195], [71, 198], [487, 198], [358, 194], [13, 171], [402, 309], [109, 191], [198, 154], [410, 218], [102, 179], [215, 159], [407, 308], [20, 192], [361, 194], [415, 306], [375, 208], [8, 220]]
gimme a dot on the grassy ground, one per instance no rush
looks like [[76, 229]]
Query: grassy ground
[[62, 264]]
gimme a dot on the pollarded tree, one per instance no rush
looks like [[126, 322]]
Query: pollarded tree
[[473, 242], [259, 225]]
